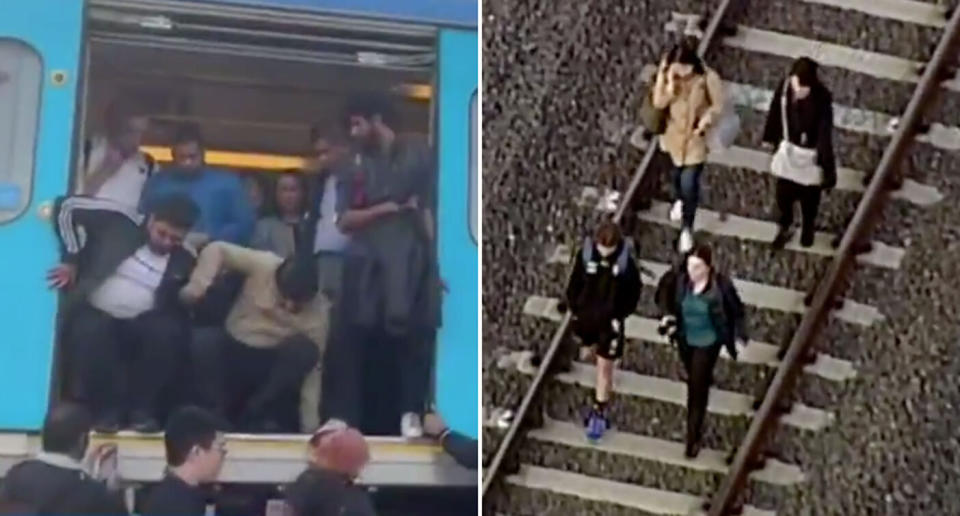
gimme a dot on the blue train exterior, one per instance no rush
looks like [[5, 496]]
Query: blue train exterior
[[37, 169]]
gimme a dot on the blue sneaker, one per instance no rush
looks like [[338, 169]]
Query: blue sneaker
[[596, 425]]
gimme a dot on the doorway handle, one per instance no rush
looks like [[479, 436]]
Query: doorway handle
[[45, 210]]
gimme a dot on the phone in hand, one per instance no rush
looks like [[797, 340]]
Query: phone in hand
[[106, 462]]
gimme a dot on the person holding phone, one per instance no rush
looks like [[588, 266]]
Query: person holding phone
[[195, 452], [692, 96], [59, 479]]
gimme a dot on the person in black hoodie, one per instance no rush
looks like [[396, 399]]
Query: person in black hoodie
[[121, 310], [702, 312], [195, 450], [57, 480], [800, 125], [603, 290]]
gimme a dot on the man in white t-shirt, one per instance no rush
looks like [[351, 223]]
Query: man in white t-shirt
[[112, 166], [126, 329]]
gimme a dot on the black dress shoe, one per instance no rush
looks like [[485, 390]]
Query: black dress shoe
[[108, 424], [780, 241], [144, 423], [806, 239], [693, 449]]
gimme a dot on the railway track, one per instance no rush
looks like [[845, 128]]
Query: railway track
[[776, 431]]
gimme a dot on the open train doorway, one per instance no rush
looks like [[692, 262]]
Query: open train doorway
[[256, 89]]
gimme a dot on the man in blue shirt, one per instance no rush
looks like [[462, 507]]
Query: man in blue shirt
[[225, 210]]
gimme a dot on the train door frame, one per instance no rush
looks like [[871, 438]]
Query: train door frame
[[31, 344], [83, 119]]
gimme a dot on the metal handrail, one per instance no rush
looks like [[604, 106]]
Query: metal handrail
[[558, 337], [865, 217]]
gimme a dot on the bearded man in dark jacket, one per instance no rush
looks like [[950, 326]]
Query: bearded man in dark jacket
[[121, 273]]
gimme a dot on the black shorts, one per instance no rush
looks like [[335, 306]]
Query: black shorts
[[606, 342]]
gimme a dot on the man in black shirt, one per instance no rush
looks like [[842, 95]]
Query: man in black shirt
[[56, 482], [195, 453], [386, 206]]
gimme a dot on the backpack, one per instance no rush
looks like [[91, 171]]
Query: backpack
[[586, 255]]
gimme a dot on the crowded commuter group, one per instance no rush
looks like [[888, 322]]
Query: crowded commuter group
[[687, 111], [273, 306], [72, 476]]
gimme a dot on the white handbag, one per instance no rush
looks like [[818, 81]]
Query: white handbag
[[793, 162]]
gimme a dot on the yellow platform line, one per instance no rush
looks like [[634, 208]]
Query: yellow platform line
[[234, 159]]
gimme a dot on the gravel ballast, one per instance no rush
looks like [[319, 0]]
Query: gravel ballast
[[563, 93]]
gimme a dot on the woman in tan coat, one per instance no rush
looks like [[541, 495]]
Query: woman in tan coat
[[692, 96]]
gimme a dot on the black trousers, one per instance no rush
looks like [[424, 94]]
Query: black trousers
[[699, 363], [239, 381], [125, 365], [789, 193], [375, 377]]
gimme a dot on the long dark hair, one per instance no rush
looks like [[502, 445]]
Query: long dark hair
[[685, 53], [302, 182], [805, 70]]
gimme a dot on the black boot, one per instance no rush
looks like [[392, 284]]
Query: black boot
[[806, 237], [780, 241], [108, 423], [143, 422]]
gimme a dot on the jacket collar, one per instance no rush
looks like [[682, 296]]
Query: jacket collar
[[60, 460]]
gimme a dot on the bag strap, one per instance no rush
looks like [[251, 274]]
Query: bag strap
[[586, 253], [624, 255], [783, 110]]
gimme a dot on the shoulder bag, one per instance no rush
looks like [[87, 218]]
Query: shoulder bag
[[791, 161]]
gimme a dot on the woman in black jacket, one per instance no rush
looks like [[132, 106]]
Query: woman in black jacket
[[701, 312], [603, 291], [804, 163]]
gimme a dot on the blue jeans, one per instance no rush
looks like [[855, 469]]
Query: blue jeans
[[686, 188]]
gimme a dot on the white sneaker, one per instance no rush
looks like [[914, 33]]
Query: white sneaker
[[686, 241], [410, 426], [676, 211]]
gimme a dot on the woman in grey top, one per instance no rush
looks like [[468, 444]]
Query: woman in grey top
[[278, 233]]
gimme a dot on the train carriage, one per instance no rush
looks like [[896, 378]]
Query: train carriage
[[253, 74]]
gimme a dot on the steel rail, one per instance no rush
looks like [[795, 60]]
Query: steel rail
[[625, 206], [726, 499]]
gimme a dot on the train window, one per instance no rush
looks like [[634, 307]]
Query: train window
[[474, 176], [20, 82]]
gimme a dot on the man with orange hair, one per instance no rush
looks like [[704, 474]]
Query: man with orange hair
[[337, 454]]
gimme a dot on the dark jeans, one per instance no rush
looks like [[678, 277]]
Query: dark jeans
[[789, 193], [699, 363], [686, 188], [125, 365], [375, 377], [243, 382]]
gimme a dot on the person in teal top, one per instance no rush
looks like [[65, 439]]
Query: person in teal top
[[697, 323], [702, 313]]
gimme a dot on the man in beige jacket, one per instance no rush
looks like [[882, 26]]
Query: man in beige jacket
[[273, 340]]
